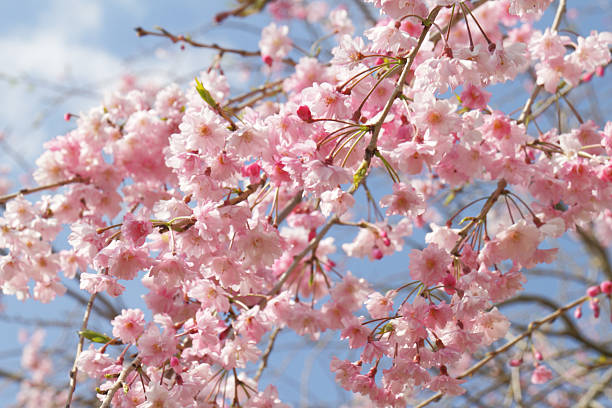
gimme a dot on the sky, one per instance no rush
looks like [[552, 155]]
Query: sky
[[62, 56]]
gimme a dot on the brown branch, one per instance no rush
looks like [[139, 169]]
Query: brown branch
[[459, 17], [572, 330], [74, 371], [266, 354], [26, 191], [367, 14], [463, 233], [243, 195], [376, 128], [119, 383], [141, 32], [295, 201], [595, 247]]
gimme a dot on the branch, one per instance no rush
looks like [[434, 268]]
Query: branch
[[118, 384], [372, 146], [571, 327], [74, 371], [266, 354], [26, 191], [463, 233], [367, 14], [141, 32], [489, 356], [595, 389], [298, 258], [295, 201], [597, 249]]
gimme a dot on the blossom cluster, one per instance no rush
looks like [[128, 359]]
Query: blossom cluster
[[222, 211]]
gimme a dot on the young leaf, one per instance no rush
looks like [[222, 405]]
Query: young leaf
[[205, 94], [95, 336]]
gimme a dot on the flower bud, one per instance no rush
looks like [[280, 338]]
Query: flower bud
[[516, 362], [304, 113], [593, 291], [377, 253]]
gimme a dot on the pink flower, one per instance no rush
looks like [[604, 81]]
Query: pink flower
[[274, 42], [94, 363], [541, 374], [356, 332], [135, 230], [156, 347], [447, 385], [474, 97], [129, 325], [378, 305], [266, 399], [404, 201], [518, 243], [429, 265]]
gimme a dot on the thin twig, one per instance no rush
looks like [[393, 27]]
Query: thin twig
[[74, 371], [266, 354]]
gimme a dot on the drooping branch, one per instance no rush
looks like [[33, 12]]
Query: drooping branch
[[491, 355]]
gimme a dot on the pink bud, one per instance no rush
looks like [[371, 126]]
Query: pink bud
[[515, 362], [377, 253], [312, 234], [606, 287], [304, 113], [174, 362], [67, 117], [578, 312], [538, 356], [587, 77], [449, 283], [593, 291], [594, 305], [600, 70], [267, 60], [252, 170]]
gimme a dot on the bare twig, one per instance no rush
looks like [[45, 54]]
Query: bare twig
[[266, 354], [141, 32], [74, 371]]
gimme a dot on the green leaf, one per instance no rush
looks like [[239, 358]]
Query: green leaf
[[95, 336], [205, 94], [449, 199], [387, 328]]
